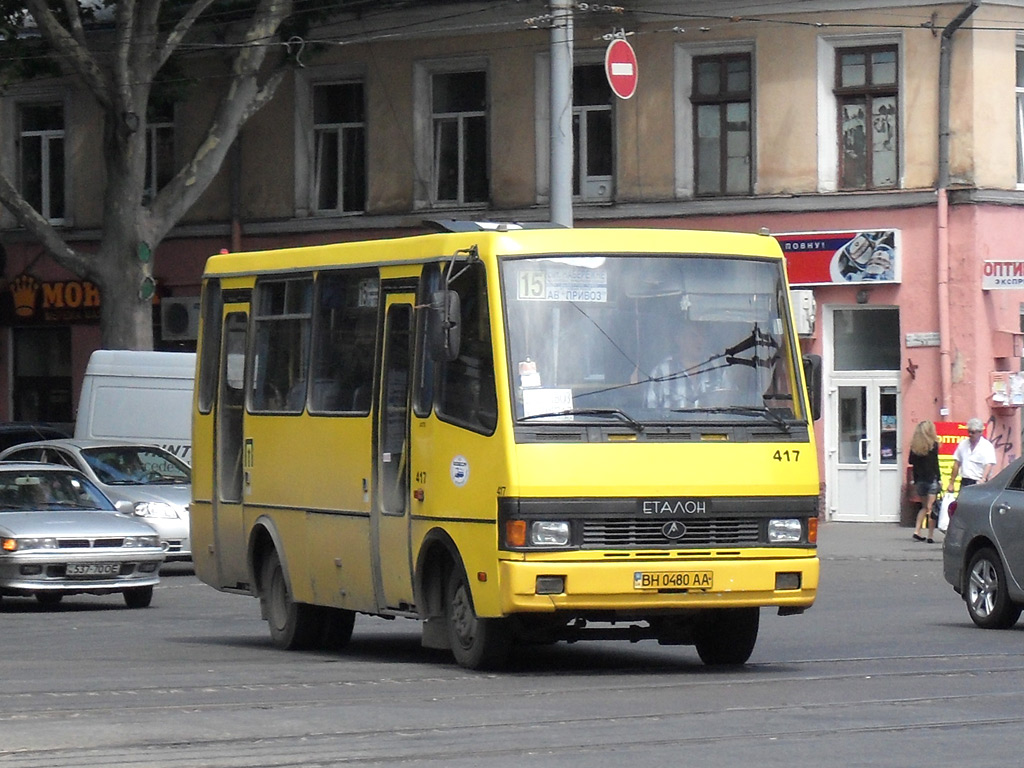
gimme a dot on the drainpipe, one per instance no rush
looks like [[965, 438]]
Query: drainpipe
[[942, 207]]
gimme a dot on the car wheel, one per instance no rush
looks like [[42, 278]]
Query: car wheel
[[726, 636], [49, 598], [138, 597], [476, 643], [987, 600], [293, 626]]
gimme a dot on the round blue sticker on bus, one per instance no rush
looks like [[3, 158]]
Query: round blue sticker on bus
[[459, 470]]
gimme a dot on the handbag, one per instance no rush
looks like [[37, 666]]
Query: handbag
[[943, 522]]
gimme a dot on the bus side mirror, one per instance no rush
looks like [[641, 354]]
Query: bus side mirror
[[812, 376], [445, 334]]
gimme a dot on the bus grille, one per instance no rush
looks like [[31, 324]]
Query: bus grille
[[629, 533]]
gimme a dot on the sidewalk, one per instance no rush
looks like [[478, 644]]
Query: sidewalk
[[873, 541]]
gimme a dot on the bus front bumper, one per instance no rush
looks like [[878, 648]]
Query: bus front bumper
[[640, 586]]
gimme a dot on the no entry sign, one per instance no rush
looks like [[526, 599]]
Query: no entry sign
[[620, 67]]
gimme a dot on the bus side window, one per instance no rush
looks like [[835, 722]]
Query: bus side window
[[466, 389], [344, 341], [282, 314]]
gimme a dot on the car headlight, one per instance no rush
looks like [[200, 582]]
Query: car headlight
[[156, 510], [17, 545], [785, 531], [141, 541]]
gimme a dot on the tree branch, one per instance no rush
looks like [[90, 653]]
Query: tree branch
[[43, 231], [164, 51], [76, 54]]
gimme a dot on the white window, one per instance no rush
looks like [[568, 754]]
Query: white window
[[592, 133], [452, 142], [41, 158], [160, 164], [331, 169], [339, 148]]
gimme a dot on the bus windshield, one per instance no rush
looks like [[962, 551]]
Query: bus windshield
[[649, 339]]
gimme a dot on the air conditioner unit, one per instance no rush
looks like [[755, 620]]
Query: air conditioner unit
[[804, 310], [179, 318]]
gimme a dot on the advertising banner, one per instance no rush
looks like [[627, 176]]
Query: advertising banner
[[831, 258], [950, 434]]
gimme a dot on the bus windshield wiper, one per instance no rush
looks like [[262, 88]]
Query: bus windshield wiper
[[745, 410], [614, 412]]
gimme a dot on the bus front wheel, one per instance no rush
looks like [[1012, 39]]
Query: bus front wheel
[[292, 625], [476, 643], [726, 636]]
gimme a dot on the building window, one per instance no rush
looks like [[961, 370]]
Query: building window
[[339, 148], [160, 166], [459, 172], [1020, 116], [41, 159], [721, 98], [867, 102], [592, 133]]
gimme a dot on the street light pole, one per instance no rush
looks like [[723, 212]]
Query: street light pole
[[561, 112]]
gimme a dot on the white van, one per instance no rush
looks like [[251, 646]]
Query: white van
[[139, 396]]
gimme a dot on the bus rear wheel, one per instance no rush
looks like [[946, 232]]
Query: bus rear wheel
[[726, 636], [476, 643], [293, 626]]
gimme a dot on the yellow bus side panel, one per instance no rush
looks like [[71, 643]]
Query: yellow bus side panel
[[311, 476]]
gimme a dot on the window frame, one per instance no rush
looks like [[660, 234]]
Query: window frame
[[867, 94], [586, 187], [304, 151], [156, 127], [723, 99], [264, 322], [828, 105], [46, 136], [685, 114], [1019, 104], [342, 131], [425, 125]]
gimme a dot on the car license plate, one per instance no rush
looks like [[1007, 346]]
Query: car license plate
[[93, 569], [673, 580]]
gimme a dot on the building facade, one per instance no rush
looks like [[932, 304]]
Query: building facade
[[881, 143]]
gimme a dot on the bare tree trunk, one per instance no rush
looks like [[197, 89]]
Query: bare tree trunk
[[126, 294]]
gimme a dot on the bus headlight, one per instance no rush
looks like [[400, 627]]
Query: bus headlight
[[785, 531], [549, 533]]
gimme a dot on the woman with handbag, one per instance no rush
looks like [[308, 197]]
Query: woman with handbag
[[924, 459]]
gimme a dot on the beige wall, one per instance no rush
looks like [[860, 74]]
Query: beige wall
[[787, 88]]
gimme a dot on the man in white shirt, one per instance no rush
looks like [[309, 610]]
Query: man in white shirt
[[975, 457]]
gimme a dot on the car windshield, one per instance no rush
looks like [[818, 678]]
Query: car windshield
[[29, 490], [650, 340], [136, 465]]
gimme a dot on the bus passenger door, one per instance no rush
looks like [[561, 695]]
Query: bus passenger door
[[228, 526], [389, 527]]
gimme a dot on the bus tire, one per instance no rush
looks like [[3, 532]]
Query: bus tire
[[726, 636], [293, 626], [476, 643], [335, 628]]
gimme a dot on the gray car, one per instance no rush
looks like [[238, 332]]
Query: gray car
[[59, 535], [142, 480], [983, 553]]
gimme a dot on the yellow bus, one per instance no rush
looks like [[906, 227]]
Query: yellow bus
[[514, 435]]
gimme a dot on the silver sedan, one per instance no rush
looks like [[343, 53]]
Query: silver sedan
[[59, 535], [983, 553], [141, 480]]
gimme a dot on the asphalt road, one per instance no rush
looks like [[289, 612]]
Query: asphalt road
[[885, 670]]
